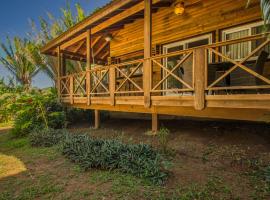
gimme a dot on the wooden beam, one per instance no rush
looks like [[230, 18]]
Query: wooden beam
[[114, 6], [147, 65], [79, 46], [59, 63], [155, 123], [112, 84], [121, 16], [100, 48], [96, 41], [71, 88], [74, 41], [88, 49], [72, 54], [107, 53], [199, 66], [97, 119]]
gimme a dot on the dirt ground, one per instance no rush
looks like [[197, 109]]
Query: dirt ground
[[202, 149], [209, 160]]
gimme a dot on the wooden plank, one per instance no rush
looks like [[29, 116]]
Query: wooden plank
[[199, 78], [262, 115], [97, 119], [88, 49], [112, 80], [147, 65], [71, 88], [88, 86]]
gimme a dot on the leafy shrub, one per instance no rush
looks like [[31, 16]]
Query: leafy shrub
[[163, 139], [57, 120], [75, 115], [139, 160], [267, 174], [31, 109], [46, 137]]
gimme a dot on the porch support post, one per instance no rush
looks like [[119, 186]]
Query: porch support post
[[59, 69], [155, 123], [199, 77], [112, 81], [97, 119], [147, 65], [88, 66], [71, 88]]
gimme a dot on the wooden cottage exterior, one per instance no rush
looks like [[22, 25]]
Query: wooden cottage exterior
[[198, 58]]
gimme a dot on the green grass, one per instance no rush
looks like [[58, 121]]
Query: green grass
[[6, 124], [43, 173]]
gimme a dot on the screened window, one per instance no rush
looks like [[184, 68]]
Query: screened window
[[241, 50]]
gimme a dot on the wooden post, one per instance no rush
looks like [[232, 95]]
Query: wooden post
[[88, 85], [88, 66], [199, 78], [63, 65], [71, 88], [155, 123], [59, 68], [97, 119], [147, 65], [112, 82]]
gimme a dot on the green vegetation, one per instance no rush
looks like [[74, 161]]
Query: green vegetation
[[46, 137], [30, 110], [138, 160]]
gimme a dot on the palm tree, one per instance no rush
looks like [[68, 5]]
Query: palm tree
[[50, 29], [265, 7], [16, 62]]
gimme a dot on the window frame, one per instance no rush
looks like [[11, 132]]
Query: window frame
[[236, 29], [183, 43]]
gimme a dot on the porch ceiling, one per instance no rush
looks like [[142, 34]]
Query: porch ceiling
[[109, 19]]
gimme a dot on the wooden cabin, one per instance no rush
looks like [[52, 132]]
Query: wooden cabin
[[197, 58]]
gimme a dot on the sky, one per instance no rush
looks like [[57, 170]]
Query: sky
[[14, 21]]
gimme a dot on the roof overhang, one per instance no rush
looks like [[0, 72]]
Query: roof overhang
[[114, 14]]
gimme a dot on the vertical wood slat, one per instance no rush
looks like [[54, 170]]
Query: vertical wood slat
[[71, 89], [112, 80], [88, 85], [59, 63], [97, 119], [147, 65], [88, 66], [199, 78]]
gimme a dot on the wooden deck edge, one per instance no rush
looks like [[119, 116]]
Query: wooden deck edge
[[259, 115]]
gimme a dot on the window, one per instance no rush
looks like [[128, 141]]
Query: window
[[241, 50], [185, 70]]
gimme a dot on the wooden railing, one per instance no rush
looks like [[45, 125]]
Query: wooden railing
[[217, 51], [127, 81], [183, 86]]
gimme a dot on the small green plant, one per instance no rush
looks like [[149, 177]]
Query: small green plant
[[163, 139], [46, 137], [138, 160]]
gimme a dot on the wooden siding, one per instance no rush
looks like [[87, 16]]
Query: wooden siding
[[203, 17]]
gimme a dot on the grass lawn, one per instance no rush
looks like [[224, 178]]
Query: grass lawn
[[208, 162]]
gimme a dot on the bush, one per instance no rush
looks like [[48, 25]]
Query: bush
[[163, 139], [139, 160], [46, 137], [31, 109]]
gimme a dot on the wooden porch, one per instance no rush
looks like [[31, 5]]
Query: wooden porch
[[207, 81], [99, 88]]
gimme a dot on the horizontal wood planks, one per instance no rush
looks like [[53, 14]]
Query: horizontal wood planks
[[204, 17]]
